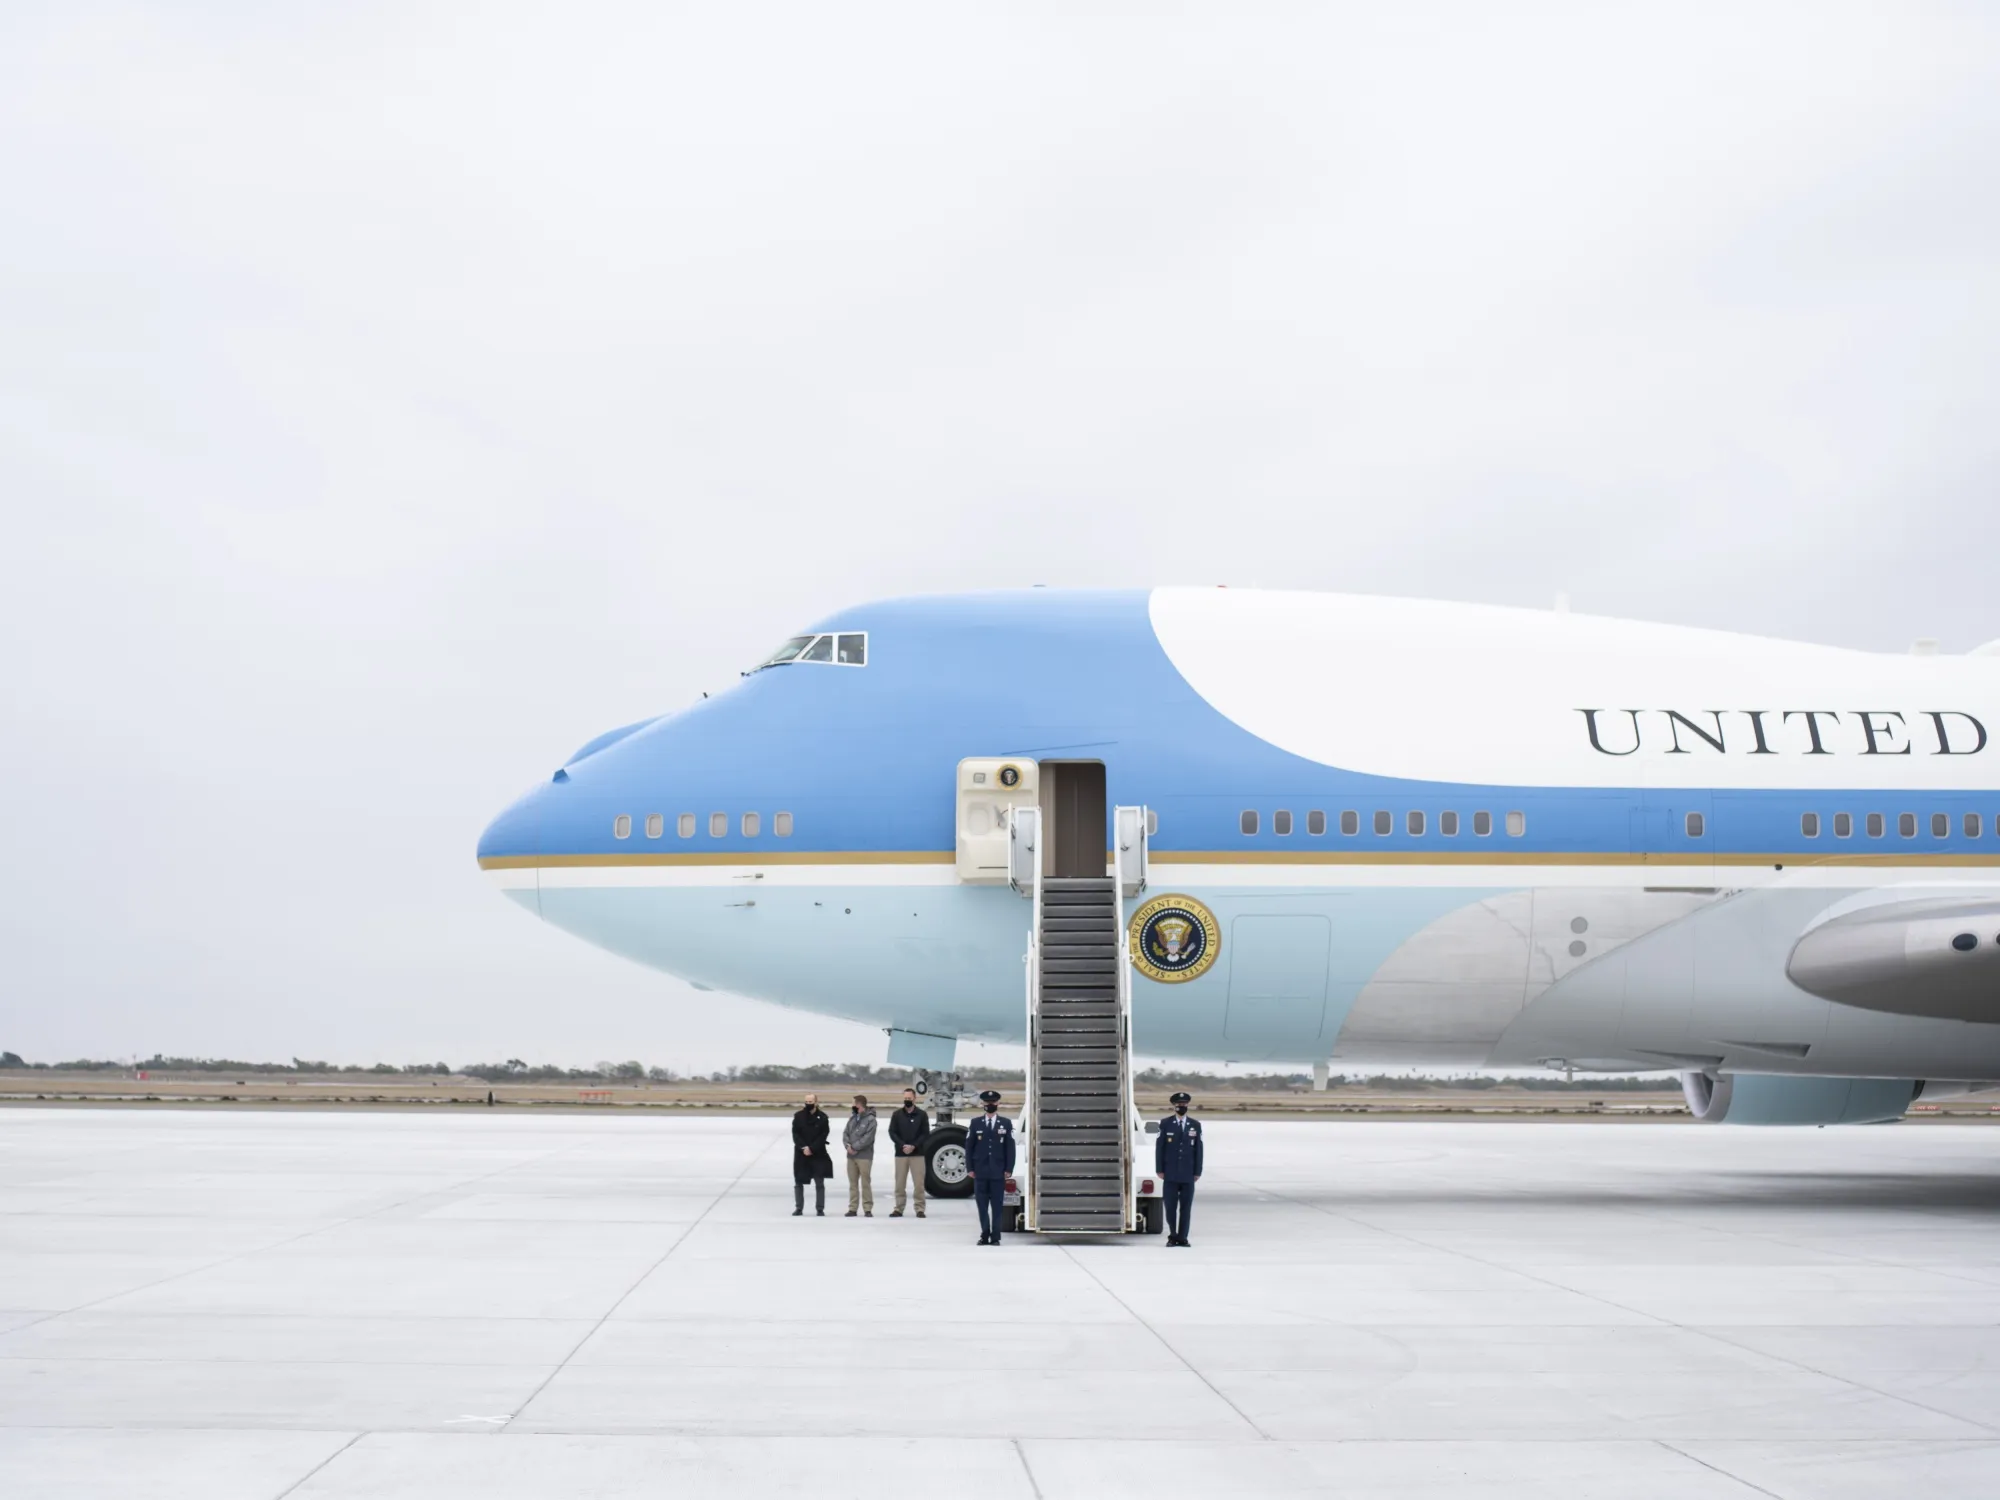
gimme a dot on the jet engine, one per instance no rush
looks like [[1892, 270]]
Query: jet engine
[[1779, 1099]]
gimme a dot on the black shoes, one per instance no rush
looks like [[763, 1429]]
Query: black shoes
[[797, 1211], [895, 1213]]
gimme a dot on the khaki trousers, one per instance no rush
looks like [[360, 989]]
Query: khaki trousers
[[861, 1183], [909, 1169]]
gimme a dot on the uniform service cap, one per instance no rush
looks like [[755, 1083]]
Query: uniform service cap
[[989, 1096], [1181, 1099]]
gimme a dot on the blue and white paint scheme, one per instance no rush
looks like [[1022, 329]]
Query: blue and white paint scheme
[[1430, 834]]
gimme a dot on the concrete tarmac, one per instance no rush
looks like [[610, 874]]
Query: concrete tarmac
[[402, 1305]]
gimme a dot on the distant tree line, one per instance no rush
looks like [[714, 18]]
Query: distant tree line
[[514, 1070]]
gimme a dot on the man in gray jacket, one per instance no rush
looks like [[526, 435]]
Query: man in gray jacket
[[859, 1137]]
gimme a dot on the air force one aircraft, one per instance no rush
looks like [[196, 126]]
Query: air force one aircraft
[[1332, 829]]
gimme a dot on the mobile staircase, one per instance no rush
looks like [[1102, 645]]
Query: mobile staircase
[[1081, 1128]]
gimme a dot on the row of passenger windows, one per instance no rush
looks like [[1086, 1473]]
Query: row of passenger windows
[[1972, 825], [752, 825], [1415, 823]]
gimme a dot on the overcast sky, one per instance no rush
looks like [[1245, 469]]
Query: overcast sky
[[393, 397]]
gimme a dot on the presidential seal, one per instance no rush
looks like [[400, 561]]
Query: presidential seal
[[1174, 939]]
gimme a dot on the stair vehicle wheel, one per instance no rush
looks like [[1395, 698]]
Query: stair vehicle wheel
[[1152, 1215], [1010, 1221], [947, 1174]]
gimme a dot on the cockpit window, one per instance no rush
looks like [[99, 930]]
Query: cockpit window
[[787, 652], [847, 649]]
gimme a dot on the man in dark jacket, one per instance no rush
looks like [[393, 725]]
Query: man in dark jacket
[[908, 1129], [810, 1163], [1177, 1158], [989, 1152]]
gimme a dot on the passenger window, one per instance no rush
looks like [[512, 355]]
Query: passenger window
[[1249, 822], [820, 650], [1281, 822], [753, 824], [781, 824], [621, 826], [1383, 823], [656, 825], [1315, 823], [1482, 824], [1972, 825], [1517, 824], [1874, 825], [686, 826], [1906, 825], [1152, 822], [1448, 824], [1843, 825], [1940, 825], [1694, 825], [1415, 823], [852, 651], [1350, 823], [718, 825], [1809, 825]]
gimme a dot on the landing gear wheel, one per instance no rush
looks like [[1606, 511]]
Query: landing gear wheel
[[1010, 1221], [947, 1174], [1152, 1215]]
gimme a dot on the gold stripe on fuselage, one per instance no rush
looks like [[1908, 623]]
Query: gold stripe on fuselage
[[1274, 857]]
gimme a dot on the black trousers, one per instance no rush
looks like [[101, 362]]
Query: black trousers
[[991, 1192], [819, 1194], [1180, 1208]]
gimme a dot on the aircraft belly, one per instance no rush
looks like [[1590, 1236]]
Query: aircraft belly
[[1438, 977], [935, 958]]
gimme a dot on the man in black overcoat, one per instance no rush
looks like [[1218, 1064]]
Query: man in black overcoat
[[810, 1162]]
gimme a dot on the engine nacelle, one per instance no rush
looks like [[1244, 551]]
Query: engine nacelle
[[1782, 1099]]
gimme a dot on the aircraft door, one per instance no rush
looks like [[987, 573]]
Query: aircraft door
[[987, 787], [1671, 828], [1074, 829], [1278, 970]]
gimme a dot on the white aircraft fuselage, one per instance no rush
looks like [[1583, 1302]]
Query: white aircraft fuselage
[[1394, 832]]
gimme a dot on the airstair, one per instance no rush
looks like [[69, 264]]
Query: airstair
[[1081, 1119]]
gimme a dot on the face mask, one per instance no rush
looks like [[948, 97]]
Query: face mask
[[1180, 1109]]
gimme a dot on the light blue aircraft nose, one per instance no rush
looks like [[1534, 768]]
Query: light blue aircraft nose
[[515, 834]]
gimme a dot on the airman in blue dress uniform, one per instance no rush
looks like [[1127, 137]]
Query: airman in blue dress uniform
[[989, 1152], [1177, 1158]]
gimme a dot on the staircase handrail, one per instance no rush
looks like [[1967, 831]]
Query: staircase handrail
[[1025, 859]]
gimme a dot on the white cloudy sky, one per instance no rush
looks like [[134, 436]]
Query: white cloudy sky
[[393, 396]]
